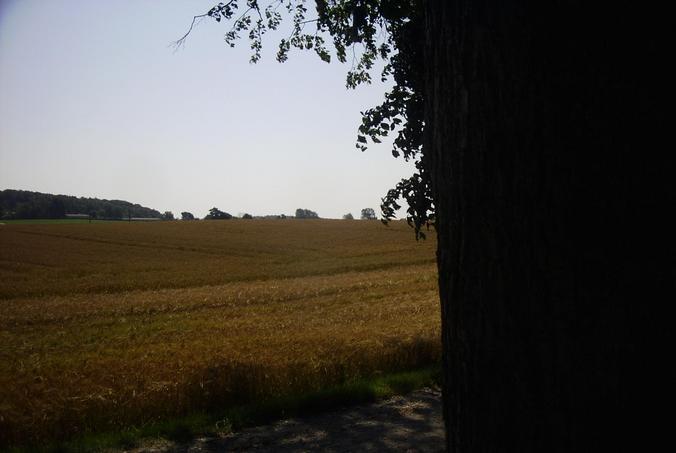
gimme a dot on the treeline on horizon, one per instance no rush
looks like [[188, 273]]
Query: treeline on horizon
[[24, 204], [217, 214]]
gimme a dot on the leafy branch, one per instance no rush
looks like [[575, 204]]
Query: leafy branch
[[387, 30]]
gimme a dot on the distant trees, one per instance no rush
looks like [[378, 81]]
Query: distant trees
[[368, 214], [217, 214], [24, 204], [111, 211], [168, 215], [56, 209], [306, 214], [348, 216], [187, 216], [247, 216], [273, 216]]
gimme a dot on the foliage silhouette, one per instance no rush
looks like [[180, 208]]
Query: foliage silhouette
[[367, 30], [306, 214], [23, 204], [368, 214], [217, 214]]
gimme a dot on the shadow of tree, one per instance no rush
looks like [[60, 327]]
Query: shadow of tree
[[411, 423]]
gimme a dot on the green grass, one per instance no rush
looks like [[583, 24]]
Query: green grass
[[185, 428]]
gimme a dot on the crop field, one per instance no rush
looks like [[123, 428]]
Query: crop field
[[109, 325]]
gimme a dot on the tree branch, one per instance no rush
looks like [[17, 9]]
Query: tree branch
[[179, 42]]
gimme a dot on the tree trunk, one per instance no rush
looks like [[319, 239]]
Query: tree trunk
[[536, 117]]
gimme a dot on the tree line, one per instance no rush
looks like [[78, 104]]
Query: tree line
[[23, 204], [301, 213]]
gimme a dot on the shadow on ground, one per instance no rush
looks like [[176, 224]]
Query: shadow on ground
[[410, 423]]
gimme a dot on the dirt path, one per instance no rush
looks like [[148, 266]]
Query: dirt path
[[410, 423]]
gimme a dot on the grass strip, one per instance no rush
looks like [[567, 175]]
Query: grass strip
[[184, 429]]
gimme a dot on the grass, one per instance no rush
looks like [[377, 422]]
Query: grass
[[215, 423], [108, 326]]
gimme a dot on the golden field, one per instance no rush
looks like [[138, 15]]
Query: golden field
[[108, 325]]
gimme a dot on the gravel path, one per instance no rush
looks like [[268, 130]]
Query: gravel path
[[410, 423]]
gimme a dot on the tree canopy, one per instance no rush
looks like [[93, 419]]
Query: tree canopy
[[368, 214], [23, 204], [306, 214], [217, 214]]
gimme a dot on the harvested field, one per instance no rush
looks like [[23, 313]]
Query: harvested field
[[108, 325]]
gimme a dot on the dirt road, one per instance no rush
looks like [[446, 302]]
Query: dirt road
[[410, 423]]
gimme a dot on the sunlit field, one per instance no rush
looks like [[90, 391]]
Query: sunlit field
[[109, 325]]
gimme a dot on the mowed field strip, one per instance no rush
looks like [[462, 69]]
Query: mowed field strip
[[104, 326]]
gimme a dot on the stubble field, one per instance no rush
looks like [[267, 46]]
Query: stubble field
[[103, 326]]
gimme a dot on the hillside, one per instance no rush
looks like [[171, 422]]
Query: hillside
[[23, 204]]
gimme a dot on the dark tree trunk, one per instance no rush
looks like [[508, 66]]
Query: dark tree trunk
[[537, 115]]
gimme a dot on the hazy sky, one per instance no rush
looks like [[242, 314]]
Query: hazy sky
[[94, 102]]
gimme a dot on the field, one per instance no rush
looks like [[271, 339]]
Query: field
[[108, 325]]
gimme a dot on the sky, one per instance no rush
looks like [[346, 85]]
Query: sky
[[95, 102]]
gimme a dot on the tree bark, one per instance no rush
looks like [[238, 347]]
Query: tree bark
[[536, 114]]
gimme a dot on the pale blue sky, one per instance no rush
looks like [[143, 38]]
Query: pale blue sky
[[94, 102]]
